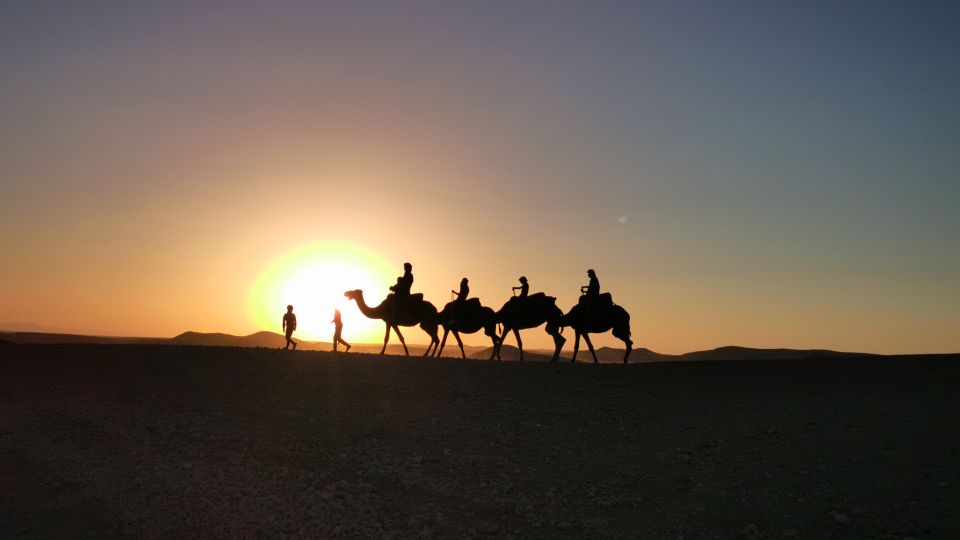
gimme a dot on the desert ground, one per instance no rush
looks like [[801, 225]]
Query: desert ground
[[163, 441]]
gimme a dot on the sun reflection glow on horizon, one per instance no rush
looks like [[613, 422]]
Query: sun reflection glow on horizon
[[313, 279]]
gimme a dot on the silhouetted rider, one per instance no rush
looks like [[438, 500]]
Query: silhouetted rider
[[593, 288], [404, 282], [464, 291], [524, 287], [458, 302]]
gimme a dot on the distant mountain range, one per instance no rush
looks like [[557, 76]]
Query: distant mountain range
[[508, 352]]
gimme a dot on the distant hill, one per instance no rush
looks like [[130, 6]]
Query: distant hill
[[45, 338], [274, 340], [606, 355], [13, 326], [745, 353], [511, 353], [612, 355], [257, 339]]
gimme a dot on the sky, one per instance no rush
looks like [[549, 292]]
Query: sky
[[765, 174]]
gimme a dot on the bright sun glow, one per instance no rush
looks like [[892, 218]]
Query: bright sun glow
[[313, 279]]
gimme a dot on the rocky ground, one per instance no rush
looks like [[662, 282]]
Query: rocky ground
[[167, 441]]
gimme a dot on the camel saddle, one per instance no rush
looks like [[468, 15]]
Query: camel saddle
[[602, 300], [539, 296], [413, 298]]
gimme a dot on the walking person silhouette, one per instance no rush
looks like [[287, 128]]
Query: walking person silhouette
[[338, 326], [289, 325]]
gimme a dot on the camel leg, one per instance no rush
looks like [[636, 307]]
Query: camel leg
[[402, 341], [435, 340], [576, 346], [460, 342], [496, 348], [443, 342], [516, 332], [558, 340], [624, 335], [493, 339], [386, 338], [586, 337]]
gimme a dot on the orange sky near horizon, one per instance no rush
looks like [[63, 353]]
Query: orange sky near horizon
[[730, 177], [206, 290]]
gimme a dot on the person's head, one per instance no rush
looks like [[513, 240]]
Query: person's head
[[336, 312], [463, 281], [523, 279], [407, 266], [289, 309], [591, 273]]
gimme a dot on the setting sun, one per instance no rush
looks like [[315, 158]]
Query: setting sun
[[313, 279]]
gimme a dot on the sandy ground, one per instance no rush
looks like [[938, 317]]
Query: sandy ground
[[165, 441]]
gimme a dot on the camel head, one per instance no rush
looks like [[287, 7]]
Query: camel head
[[354, 294]]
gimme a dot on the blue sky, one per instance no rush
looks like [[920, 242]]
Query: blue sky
[[788, 171]]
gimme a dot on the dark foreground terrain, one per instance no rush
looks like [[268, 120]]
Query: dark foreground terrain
[[167, 441]]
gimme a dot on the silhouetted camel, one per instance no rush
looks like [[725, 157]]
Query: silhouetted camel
[[602, 319], [468, 318], [412, 311], [530, 312]]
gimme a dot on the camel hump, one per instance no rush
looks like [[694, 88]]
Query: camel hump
[[473, 303], [541, 296], [418, 297], [601, 300]]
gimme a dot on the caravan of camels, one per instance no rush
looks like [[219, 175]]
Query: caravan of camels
[[594, 313]]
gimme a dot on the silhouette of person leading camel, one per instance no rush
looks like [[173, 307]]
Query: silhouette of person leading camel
[[289, 325], [337, 328]]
